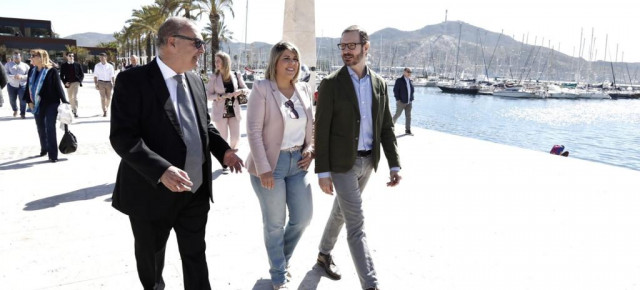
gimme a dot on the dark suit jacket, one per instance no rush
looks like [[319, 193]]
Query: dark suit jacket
[[145, 132], [3, 77], [400, 90], [337, 124], [51, 92], [77, 68]]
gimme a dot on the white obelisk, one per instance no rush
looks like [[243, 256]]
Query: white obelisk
[[300, 28]]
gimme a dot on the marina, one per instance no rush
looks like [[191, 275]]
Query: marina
[[600, 130]]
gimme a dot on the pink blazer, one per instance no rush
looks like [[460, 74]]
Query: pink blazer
[[265, 125], [215, 87]]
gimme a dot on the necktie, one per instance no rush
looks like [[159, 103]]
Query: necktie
[[191, 136]]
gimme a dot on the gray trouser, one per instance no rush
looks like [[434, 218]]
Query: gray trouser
[[407, 114], [347, 209]]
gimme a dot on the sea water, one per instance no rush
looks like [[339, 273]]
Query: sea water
[[606, 131]]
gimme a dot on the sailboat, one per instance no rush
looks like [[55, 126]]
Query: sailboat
[[467, 88]]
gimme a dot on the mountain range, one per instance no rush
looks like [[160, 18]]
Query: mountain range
[[434, 50], [91, 39]]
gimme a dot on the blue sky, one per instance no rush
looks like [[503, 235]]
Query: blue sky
[[557, 21]]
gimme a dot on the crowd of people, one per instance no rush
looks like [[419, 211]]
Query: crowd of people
[[165, 136]]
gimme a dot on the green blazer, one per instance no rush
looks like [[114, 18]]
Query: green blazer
[[337, 124]]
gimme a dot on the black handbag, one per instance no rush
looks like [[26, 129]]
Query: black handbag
[[229, 112], [242, 99], [69, 143]]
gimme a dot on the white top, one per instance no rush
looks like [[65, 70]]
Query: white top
[[172, 85], [104, 72], [294, 129]]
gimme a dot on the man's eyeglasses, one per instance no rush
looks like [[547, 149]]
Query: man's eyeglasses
[[350, 46], [196, 41], [293, 114]]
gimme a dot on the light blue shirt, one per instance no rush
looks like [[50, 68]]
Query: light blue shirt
[[364, 95], [21, 69], [408, 81]]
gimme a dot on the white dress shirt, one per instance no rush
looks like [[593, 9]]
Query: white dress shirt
[[104, 72], [172, 85]]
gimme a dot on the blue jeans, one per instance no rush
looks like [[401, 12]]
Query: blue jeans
[[347, 209], [293, 191], [16, 93], [46, 123]]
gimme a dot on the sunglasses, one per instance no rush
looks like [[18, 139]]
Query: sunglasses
[[293, 114], [196, 41]]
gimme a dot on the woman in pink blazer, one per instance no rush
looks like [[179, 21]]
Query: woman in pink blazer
[[223, 87], [279, 129]]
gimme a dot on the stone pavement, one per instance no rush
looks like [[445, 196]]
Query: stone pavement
[[468, 214]]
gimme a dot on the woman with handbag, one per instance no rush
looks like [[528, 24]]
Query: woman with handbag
[[223, 89], [280, 134], [43, 94]]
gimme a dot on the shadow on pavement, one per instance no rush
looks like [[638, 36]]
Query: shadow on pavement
[[88, 122], [262, 284], [9, 165], [217, 173], [77, 195], [312, 278]]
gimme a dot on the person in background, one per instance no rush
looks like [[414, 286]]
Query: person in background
[[104, 77], [134, 62], [559, 150], [43, 94], [352, 121], [280, 134], [223, 88], [161, 130], [72, 75], [17, 75], [403, 92]]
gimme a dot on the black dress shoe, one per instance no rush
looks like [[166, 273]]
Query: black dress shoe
[[326, 262], [53, 160], [408, 132]]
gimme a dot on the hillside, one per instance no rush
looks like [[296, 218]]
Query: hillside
[[90, 39]]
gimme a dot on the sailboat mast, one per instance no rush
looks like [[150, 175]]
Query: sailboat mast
[[246, 24], [455, 76]]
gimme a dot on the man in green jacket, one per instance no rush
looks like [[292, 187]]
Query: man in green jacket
[[352, 121]]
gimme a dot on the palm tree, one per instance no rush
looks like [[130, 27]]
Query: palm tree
[[147, 21], [216, 9], [207, 38]]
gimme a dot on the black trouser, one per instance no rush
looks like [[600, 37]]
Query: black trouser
[[189, 223]]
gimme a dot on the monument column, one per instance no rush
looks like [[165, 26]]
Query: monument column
[[300, 28]]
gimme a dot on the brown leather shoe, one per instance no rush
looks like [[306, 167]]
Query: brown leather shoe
[[326, 262]]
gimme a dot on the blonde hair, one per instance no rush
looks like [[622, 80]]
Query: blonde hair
[[44, 56], [276, 52], [224, 70]]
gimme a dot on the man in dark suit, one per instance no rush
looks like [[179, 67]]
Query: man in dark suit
[[352, 121], [134, 62], [161, 129], [403, 92], [72, 75]]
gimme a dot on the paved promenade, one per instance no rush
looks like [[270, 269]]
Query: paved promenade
[[468, 214]]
